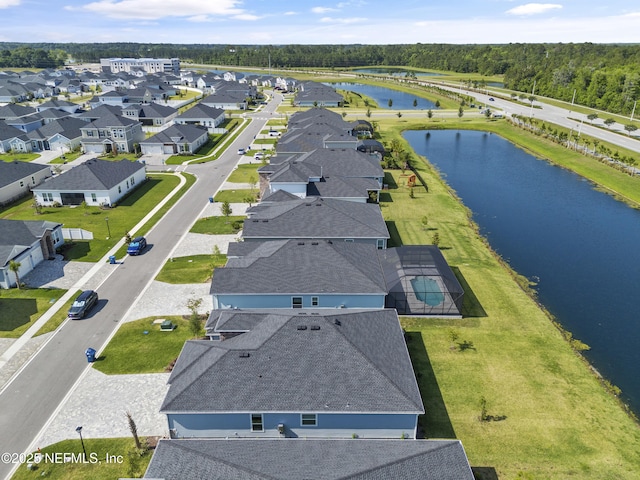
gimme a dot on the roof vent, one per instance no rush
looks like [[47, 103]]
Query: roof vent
[[265, 221], [337, 322], [315, 327], [300, 243], [255, 221], [314, 243], [302, 327], [244, 355]]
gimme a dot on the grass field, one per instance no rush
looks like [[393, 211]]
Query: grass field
[[190, 269], [19, 309], [236, 196], [60, 316], [18, 157], [125, 462], [132, 350], [245, 173], [218, 225], [549, 415]]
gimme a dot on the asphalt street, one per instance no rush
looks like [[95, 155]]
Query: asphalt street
[[32, 397]]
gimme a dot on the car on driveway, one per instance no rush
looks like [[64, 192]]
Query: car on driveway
[[81, 306], [137, 245]]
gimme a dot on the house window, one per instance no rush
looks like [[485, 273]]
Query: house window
[[133, 180], [256, 422], [33, 180], [21, 183], [309, 420], [350, 240], [119, 189], [94, 199], [315, 301], [47, 197], [380, 244], [296, 302]]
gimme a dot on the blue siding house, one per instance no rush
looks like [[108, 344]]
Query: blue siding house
[[299, 274], [295, 374]]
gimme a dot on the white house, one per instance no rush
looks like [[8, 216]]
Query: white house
[[16, 178], [26, 242], [96, 182]]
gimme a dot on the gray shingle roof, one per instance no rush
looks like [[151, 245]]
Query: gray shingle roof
[[68, 127], [17, 236], [316, 218], [179, 132], [359, 364], [152, 110], [13, 171], [201, 111], [303, 268], [7, 132], [94, 174], [342, 187], [275, 459]]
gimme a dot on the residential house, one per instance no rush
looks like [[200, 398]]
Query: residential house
[[201, 114], [68, 107], [111, 133], [17, 178], [314, 94], [26, 242], [8, 133], [96, 182], [151, 114], [311, 459], [61, 135], [310, 274], [315, 218], [176, 139], [226, 100], [292, 374]]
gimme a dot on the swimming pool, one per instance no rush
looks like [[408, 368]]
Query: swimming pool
[[427, 290]]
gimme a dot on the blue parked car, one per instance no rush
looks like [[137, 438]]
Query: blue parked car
[[137, 245]]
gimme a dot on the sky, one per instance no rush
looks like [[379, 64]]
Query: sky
[[278, 22]]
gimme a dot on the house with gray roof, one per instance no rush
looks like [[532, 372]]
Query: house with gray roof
[[201, 114], [315, 218], [176, 139], [111, 133], [68, 107], [96, 182], [333, 173], [293, 374], [310, 274], [310, 459], [7, 133], [314, 94], [27, 242], [18, 178], [61, 135], [150, 114]]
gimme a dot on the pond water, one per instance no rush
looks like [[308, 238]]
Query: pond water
[[396, 72], [552, 226], [382, 95]]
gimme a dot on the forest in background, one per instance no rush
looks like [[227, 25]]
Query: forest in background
[[603, 76]]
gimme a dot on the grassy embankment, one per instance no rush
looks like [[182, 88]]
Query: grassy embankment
[[549, 415]]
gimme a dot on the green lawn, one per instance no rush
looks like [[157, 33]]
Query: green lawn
[[218, 225], [121, 219], [123, 462], [551, 417], [245, 173], [60, 316], [19, 309], [236, 196], [18, 157], [68, 157], [131, 350], [191, 269]]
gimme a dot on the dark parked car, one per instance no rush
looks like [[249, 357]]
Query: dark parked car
[[137, 245], [81, 306], [491, 99]]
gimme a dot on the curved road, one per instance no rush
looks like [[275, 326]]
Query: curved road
[[33, 395]]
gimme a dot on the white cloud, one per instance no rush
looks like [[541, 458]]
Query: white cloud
[[290, 13], [342, 20], [9, 3], [154, 9], [322, 10], [533, 8], [199, 19], [247, 16]]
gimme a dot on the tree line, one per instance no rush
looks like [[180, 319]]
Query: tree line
[[604, 76]]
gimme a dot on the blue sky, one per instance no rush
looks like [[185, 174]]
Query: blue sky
[[319, 22]]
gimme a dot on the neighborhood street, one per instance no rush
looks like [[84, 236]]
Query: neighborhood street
[[29, 401]]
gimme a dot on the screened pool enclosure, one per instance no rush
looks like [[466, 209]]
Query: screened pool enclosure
[[420, 282]]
